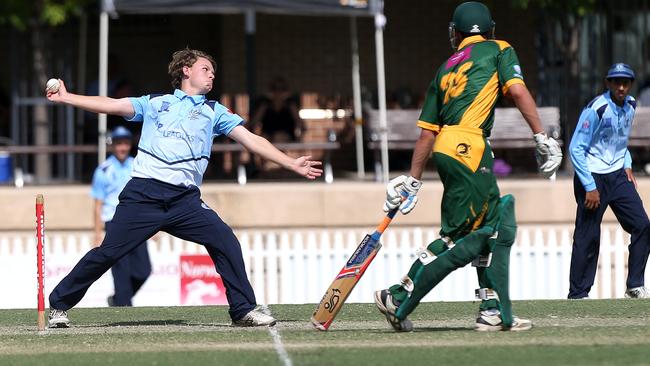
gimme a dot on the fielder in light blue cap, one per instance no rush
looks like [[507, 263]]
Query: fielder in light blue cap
[[620, 70], [120, 132], [110, 178], [604, 178]]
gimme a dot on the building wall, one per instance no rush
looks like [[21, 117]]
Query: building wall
[[300, 205]]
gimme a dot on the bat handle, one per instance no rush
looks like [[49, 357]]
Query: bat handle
[[390, 215]]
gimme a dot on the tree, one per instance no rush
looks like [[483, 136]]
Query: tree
[[562, 23], [35, 17], [569, 15]]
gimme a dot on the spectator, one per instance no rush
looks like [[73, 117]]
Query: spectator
[[277, 114], [117, 86]]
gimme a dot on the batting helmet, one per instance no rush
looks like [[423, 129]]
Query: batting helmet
[[471, 17]]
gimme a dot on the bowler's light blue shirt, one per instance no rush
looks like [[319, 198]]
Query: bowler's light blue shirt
[[108, 181], [599, 142], [177, 135]]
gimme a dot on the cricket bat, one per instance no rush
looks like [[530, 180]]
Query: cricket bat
[[344, 283]]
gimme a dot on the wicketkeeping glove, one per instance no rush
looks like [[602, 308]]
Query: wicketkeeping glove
[[394, 198], [548, 154]]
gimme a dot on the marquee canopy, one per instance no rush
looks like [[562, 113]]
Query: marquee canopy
[[349, 8], [298, 7]]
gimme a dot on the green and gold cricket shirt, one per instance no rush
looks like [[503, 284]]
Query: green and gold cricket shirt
[[461, 98]]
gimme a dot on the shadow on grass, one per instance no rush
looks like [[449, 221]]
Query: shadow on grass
[[145, 323], [415, 330], [442, 329]]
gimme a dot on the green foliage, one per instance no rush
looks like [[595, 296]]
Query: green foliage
[[567, 7], [21, 13]]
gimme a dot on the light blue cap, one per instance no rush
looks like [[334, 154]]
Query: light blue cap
[[620, 70], [121, 133]]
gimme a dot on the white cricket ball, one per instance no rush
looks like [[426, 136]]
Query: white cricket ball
[[52, 86]]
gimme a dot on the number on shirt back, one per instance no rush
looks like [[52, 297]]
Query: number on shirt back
[[454, 83]]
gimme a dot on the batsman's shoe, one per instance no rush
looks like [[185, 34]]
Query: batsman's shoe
[[58, 319], [637, 293], [254, 318], [490, 321], [386, 306]]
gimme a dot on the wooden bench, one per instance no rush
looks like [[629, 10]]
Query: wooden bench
[[510, 130], [327, 147]]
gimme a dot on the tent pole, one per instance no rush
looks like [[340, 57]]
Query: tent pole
[[356, 92], [250, 24], [81, 82], [103, 83], [380, 22]]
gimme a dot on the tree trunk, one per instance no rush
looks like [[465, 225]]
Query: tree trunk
[[41, 127], [568, 43], [574, 87]]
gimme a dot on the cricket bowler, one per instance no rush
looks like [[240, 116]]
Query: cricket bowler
[[163, 194]]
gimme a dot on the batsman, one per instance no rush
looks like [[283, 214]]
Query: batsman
[[477, 224]]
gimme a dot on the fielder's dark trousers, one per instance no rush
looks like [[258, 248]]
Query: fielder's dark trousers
[[619, 194], [146, 207], [129, 274]]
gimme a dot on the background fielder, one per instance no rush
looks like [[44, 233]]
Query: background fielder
[[109, 179], [603, 177]]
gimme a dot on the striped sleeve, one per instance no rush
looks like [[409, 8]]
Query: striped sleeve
[[508, 67], [429, 117], [140, 105], [579, 147]]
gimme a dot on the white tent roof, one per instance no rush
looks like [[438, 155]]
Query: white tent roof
[[300, 7]]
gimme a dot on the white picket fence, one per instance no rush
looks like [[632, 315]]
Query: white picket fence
[[296, 266]]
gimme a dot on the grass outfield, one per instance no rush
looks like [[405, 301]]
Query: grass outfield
[[582, 332]]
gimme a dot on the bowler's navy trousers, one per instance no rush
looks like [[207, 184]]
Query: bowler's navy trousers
[[620, 194], [146, 207]]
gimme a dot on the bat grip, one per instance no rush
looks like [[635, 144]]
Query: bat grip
[[390, 215]]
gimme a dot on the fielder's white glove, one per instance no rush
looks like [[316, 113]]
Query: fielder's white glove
[[394, 197], [548, 154]]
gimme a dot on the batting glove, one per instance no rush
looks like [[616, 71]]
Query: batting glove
[[394, 197], [548, 154]]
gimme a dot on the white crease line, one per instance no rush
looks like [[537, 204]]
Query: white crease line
[[279, 347]]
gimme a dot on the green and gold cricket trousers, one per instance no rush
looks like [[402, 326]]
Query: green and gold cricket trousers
[[472, 215]]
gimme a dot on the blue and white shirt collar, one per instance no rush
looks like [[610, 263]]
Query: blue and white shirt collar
[[196, 99], [626, 105]]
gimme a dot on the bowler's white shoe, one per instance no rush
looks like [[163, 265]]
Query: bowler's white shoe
[[637, 293], [58, 319], [254, 318]]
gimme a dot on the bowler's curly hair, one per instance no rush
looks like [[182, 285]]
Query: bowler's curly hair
[[185, 57]]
